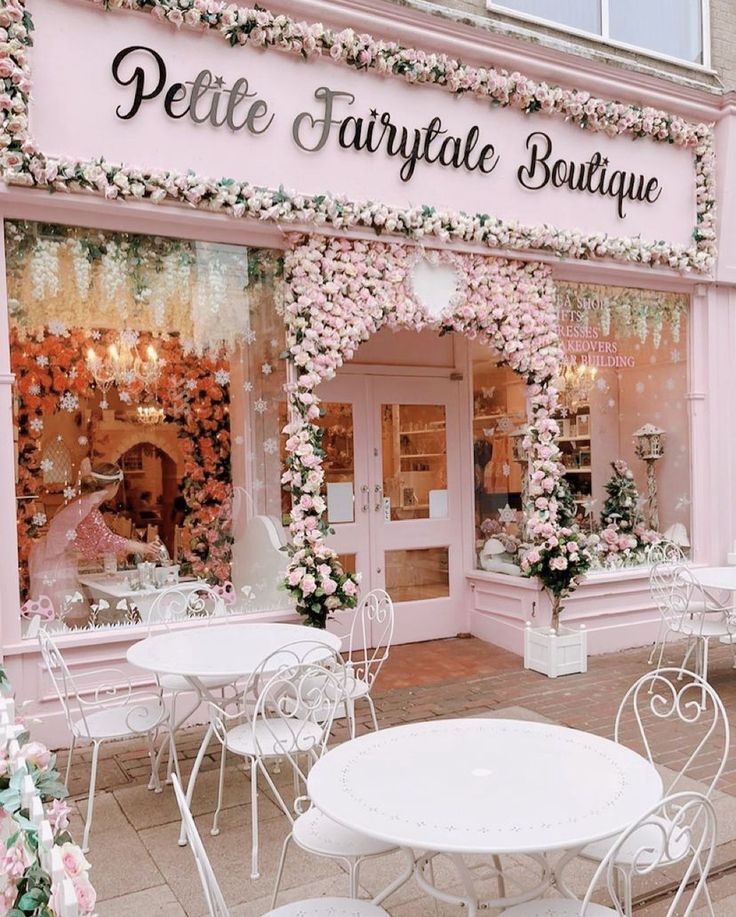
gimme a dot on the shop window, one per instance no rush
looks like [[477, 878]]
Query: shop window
[[624, 432], [148, 389], [671, 28]]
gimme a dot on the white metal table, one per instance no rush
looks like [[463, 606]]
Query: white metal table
[[224, 651], [716, 577], [485, 786]]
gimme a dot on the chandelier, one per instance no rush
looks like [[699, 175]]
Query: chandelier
[[575, 384], [123, 366], [150, 414]]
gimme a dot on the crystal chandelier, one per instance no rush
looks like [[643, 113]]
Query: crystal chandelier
[[150, 414], [123, 366], [575, 384]]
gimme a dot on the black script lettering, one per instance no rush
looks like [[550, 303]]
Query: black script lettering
[[591, 177], [649, 193], [526, 174], [205, 98], [138, 78], [430, 144], [327, 97], [177, 92]]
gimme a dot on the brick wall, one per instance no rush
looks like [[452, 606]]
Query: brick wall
[[723, 41]]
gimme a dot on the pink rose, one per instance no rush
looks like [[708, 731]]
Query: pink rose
[[86, 895], [37, 754], [73, 859]]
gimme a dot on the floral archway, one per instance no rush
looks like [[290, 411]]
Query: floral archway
[[339, 293]]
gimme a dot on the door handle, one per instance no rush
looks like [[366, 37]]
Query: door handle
[[365, 490], [378, 505]]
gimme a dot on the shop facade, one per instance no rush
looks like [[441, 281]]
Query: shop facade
[[435, 246]]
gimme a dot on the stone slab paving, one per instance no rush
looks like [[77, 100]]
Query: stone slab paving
[[140, 871]]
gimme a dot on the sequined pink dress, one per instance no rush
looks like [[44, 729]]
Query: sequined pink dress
[[77, 530]]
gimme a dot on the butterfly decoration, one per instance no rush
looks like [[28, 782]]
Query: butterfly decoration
[[488, 431], [488, 392]]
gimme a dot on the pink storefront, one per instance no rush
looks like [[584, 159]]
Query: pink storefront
[[231, 186]]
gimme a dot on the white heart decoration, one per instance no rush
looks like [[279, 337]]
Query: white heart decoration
[[434, 285]]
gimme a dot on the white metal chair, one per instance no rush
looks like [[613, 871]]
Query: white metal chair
[[368, 648], [693, 613], [216, 907], [297, 690], [175, 605], [654, 700], [663, 557], [105, 707], [679, 832], [213, 896]]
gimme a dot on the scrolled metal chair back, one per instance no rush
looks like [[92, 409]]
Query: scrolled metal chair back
[[370, 635], [176, 604], [61, 677], [679, 831], [666, 559], [99, 690], [299, 690], [659, 698], [216, 906]]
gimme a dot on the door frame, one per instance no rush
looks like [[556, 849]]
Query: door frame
[[458, 372]]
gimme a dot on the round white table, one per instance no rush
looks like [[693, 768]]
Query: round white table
[[716, 577], [226, 651], [484, 786]]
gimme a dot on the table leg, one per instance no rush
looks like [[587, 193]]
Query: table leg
[[400, 880], [193, 777], [559, 866]]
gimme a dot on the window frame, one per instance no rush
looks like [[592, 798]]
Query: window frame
[[498, 6]]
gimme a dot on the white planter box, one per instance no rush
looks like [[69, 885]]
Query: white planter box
[[563, 653]]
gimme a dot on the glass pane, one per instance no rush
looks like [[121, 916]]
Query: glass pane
[[671, 27], [146, 412], [625, 375], [339, 461], [499, 416], [414, 449], [578, 14], [420, 573]]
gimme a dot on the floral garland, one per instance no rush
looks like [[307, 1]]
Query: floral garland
[[23, 163], [29, 884], [52, 375], [339, 293]]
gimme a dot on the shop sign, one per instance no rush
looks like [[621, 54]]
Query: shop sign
[[128, 88]]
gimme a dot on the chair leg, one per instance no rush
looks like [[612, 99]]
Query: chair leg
[[155, 782], [353, 867], [657, 643], [215, 830], [254, 874], [500, 879], [172, 762], [91, 798], [350, 710], [280, 871], [691, 645], [69, 761], [373, 711]]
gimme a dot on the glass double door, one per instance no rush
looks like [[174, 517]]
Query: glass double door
[[392, 473]]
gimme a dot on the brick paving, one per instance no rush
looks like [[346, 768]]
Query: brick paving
[[460, 678]]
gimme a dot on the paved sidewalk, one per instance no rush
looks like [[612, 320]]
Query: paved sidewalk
[[138, 869]]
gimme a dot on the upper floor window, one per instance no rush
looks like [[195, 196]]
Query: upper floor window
[[672, 28]]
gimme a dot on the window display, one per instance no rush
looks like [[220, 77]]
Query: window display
[[623, 428], [147, 393]]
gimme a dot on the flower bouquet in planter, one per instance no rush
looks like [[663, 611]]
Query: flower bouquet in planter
[[560, 557]]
